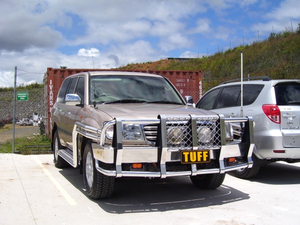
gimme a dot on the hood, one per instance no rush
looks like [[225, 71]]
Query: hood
[[149, 111]]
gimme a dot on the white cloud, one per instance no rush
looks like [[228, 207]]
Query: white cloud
[[244, 3], [106, 21], [174, 41], [203, 26], [218, 4], [163, 29], [139, 51], [7, 78], [38, 34], [135, 19], [20, 29], [284, 17], [30, 67], [92, 52], [222, 32], [288, 10], [31, 33]]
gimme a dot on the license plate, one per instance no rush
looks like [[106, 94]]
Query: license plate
[[195, 156]]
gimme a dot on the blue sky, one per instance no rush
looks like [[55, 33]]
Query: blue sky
[[108, 34]]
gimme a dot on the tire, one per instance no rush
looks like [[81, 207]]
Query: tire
[[248, 173], [208, 181], [97, 185], [59, 162]]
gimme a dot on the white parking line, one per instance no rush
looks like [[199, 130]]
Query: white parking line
[[69, 199]]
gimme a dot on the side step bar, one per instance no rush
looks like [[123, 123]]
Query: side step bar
[[67, 155]]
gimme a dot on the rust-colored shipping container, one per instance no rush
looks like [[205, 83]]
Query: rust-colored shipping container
[[186, 82]]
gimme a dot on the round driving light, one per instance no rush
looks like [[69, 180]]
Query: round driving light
[[109, 133], [204, 135], [175, 135]]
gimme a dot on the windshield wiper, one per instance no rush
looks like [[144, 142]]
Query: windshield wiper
[[166, 102], [126, 100]]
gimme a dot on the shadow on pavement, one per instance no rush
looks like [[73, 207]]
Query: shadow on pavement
[[133, 195], [144, 195], [278, 173]]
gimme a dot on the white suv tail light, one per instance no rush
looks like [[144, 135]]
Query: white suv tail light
[[272, 112]]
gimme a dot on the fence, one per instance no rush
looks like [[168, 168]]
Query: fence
[[29, 114], [29, 111]]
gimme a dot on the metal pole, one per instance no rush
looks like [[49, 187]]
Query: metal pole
[[242, 91], [14, 111]]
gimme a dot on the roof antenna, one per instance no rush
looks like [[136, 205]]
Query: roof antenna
[[242, 91]]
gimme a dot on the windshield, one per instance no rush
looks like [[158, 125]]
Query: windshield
[[131, 89]]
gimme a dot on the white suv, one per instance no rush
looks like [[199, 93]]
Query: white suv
[[275, 108]]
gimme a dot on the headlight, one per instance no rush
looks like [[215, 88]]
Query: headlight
[[132, 132], [205, 135], [175, 135], [109, 132]]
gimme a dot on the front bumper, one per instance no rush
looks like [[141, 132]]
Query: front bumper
[[164, 161], [149, 156]]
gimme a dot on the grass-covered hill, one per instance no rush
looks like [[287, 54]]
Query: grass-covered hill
[[277, 57]]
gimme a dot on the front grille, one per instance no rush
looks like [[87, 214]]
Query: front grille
[[179, 132], [150, 131]]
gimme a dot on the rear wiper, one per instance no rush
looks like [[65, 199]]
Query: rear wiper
[[126, 100], [166, 102]]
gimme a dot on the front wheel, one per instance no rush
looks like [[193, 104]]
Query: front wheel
[[97, 185], [208, 181], [247, 173]]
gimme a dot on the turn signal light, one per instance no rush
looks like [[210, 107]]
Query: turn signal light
[[231, 160], [137, 166]]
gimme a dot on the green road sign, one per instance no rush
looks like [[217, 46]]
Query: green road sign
[[22, 96]]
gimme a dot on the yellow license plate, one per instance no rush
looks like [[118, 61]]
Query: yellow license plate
[[195, 156]]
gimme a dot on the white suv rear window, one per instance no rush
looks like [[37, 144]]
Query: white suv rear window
[[288, 93]]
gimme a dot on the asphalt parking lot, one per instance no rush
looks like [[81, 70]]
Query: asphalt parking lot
[[33, 191]]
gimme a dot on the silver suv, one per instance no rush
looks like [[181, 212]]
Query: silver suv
[[275, 108]]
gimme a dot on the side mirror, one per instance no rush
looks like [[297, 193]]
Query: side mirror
[[72, 99], [189, 100]]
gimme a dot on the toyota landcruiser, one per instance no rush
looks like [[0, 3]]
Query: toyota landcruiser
[[124, 124]]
